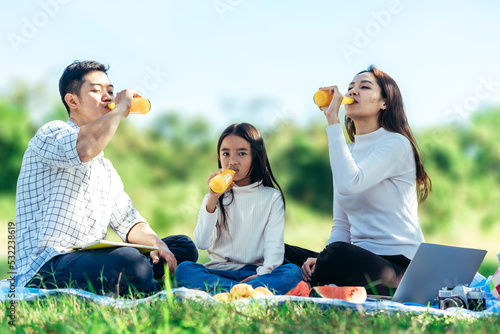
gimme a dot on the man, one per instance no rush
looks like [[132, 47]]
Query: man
[[68, 194]]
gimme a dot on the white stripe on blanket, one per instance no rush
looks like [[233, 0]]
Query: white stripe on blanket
[[492, 304]]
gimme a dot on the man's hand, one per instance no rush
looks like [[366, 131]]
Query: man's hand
[[142, 234], [96, 133], [164, 254], [308, 268], [123, 101]]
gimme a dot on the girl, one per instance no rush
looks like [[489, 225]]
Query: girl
[[377, 180], [242, 229]]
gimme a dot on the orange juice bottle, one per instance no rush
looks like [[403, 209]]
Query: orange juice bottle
[[220, 182], [323, 99], [140, 105]]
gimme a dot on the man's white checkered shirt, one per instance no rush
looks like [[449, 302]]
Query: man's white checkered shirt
[[62, 201]]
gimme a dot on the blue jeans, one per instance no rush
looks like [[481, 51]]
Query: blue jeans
[[195, 276], [113, 270]]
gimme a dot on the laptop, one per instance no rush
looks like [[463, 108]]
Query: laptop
[[434, 267]]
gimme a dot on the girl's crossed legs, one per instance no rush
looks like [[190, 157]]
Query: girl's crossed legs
[[195, 276]]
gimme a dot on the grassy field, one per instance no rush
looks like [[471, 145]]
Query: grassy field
[[69, 314], [74, 315]]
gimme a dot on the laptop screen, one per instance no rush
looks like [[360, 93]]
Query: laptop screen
[[434, 267]]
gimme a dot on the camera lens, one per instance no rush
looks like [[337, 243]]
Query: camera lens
[[451, 302], [476, 304]]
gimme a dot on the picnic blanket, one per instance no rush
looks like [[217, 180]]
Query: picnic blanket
[[492, 304]]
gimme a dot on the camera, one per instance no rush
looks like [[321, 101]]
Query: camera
[[462, 296]]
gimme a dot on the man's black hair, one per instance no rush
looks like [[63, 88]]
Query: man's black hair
[[72, 78]]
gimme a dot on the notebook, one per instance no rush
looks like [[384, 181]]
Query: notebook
[[97, 244], [434, 267]]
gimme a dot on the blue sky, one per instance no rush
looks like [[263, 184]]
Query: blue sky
[[261, 61]]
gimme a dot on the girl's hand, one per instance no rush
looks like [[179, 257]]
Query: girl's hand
[[211, 192], [332, 111], [308, 268], [213, 197], [249, 278]]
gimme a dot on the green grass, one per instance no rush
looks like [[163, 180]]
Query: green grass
[[3, 268], [69, 314]]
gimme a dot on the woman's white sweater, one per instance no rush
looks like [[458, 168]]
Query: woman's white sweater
[[375, 198]]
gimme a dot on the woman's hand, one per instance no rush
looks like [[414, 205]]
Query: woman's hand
[[332, 111], [308, 268]]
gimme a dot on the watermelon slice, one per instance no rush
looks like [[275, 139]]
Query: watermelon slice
[[352, 294], [301, 290]]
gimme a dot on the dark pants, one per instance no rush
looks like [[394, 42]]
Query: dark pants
[[116, 270], [345, 264]]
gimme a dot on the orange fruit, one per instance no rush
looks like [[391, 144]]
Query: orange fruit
[[241, 290], [222, 297], [263, 290]]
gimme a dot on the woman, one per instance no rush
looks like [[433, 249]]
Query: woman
[[378, 182]]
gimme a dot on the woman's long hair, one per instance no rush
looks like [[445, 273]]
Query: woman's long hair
[[260, 169], [393, 119]]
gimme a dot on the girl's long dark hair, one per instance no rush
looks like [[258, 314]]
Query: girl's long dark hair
[[260, 170], [393, 119]]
